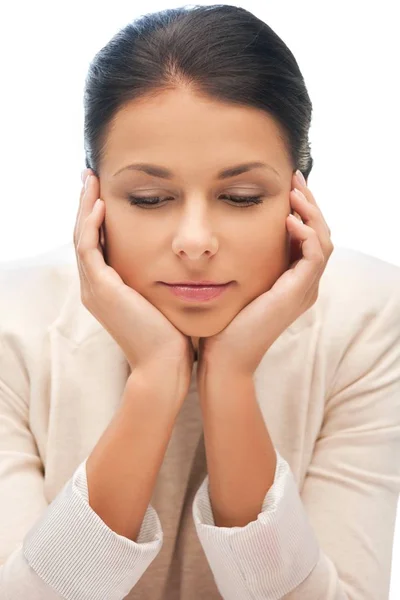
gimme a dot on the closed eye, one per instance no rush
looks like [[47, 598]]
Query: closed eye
[[150, 201]]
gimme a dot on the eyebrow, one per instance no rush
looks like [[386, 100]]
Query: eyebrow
[[162, 172]]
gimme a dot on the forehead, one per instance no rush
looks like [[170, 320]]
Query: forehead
[[179, 123]]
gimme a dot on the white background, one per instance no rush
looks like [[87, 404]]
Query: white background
[[348, 53]]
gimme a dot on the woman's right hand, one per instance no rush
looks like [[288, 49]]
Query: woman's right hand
[[147, 338]]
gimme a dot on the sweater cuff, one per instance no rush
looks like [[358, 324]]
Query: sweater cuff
[[267, 558], [75, 552]]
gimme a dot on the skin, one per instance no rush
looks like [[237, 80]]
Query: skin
[[196, 231]]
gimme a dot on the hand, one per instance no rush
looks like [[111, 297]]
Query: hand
[[240, 347], [147, 338]]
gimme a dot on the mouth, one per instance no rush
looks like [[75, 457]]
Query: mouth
[[203, 283], [196, 293]]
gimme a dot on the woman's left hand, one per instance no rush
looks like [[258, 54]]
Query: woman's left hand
[[240, 347]]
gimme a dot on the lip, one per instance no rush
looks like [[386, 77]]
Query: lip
[[204, 282], [198, 293]]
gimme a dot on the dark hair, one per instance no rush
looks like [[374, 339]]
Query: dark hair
[[220, 51]]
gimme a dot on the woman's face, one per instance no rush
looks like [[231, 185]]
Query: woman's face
[[197, 231]]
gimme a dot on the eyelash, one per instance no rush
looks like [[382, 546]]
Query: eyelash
[[245, 201]]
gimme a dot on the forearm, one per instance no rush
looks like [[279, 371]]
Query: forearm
[[123, 467], [241, 459]]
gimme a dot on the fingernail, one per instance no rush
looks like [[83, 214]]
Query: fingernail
[[299, 193], [85, 174], [300, 177], [87, 182]]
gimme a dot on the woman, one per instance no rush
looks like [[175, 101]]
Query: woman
[[235, 441]]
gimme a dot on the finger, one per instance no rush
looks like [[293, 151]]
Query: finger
[[78, 227], [312, 216], [89, 248], [308, 278], [88, 197], [102, 241], [81, 199], [300, 185], [78, 215], [308, 195], [295, 250], [76, 236], [310, 267]]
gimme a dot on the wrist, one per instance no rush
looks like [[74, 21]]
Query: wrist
[[212, 374], [166, 386]]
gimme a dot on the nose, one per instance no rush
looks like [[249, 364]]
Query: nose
[[194, 246], [195, 237]]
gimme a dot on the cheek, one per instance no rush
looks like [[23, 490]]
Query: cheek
[[128, 252], [265, 259], [125, 235]]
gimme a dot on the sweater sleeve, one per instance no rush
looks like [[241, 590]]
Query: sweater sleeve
[[62, 549], [334, 539]]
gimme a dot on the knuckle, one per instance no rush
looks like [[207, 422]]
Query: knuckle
[[312, 298], [329, 247], [320, 258], [81, 250], [314, 210], [84, 297]]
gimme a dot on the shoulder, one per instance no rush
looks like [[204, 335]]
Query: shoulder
[[356, 286], [352, 271], [32, 290], [357, 316]]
